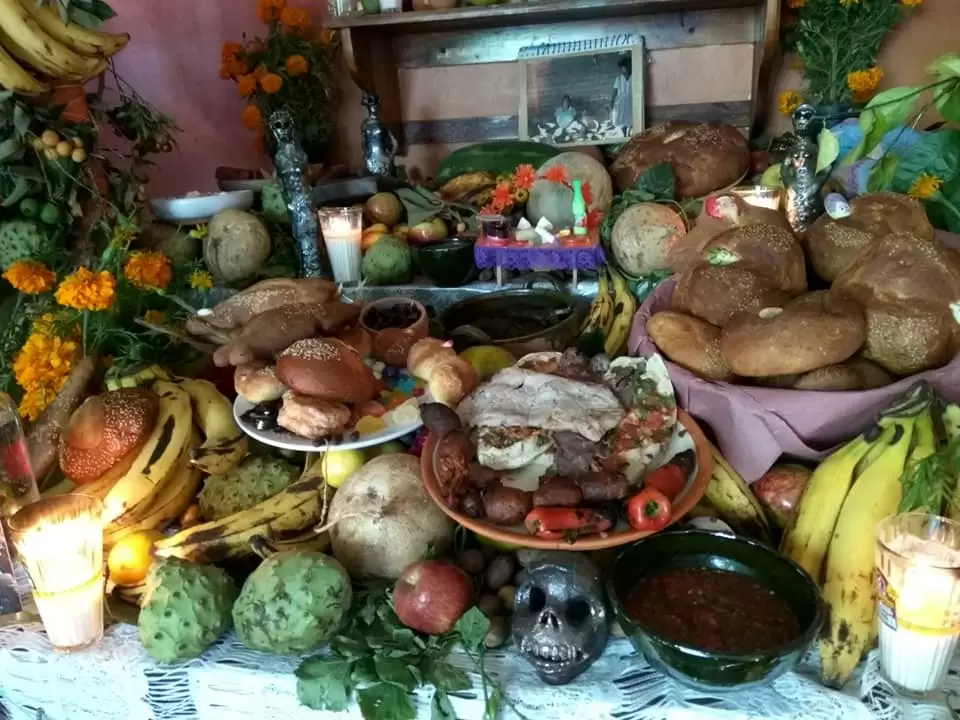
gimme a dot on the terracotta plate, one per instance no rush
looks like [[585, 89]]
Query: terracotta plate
[[686, 436]]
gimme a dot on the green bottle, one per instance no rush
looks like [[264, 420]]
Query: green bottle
[[579, 210]]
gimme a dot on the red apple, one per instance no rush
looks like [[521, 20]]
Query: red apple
[[431, 595]]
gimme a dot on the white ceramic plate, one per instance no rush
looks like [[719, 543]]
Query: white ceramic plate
[[288, 441], [193, 209]]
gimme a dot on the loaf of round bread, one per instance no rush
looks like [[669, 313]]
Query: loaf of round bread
[[715, 293], [810, 332], [770, 251], [855, 374], [905, 343], [704, 157], [690, 343], [834, 245], [326, 369]]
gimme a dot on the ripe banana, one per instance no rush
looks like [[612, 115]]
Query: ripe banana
[[77, 38], [23, 37], [624, 308], [225, 444], [295, 508], [807, 537], [600, 317], [16, 79], [732, 498], [848, 588], [157, 457]]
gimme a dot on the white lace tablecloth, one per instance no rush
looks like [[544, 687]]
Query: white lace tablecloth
[[117, 681]]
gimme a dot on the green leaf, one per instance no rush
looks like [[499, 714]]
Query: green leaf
[[946, 66], [828, 150], [91, 14], [947, 100], [491, 710], [440, 707], [324, 684], [658, 181], [472, 628], [364, 672], [894, 105], [20, 189], [348, 648], [881, 177], [21, 120], [772, 177], [936, 153], [385, 702], [396, 672], [10, 149], [446, 677]]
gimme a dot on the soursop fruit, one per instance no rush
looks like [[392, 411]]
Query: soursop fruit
[[294, 602], [250, 483], [274, 207], [21, 239], [186, 609]]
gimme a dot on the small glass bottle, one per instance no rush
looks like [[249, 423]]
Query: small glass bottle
[[18, 487], [579, 210]]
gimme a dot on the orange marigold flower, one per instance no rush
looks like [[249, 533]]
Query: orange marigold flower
[[236, 67], [34, 402], [29, 277], [502, 196], [155, 317], [587, 193], [524, 177], [269, 10], [297, 65], [246, 85], [864, 82], [87, 290], [295, 19], [252, 117], [225, 73], [148, 270], [788, 101], [230, 50], [325, 36], [258, 72], [557, 174], [271, 83]]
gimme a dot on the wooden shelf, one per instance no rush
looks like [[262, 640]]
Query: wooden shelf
[[525, 13]]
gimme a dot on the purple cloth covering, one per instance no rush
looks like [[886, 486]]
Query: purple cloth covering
[[538, 257]]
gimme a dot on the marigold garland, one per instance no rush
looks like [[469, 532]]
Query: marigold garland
[[201, 280], [148, 270], [925, 186], [251, 117], [271, 83], [86, 290], [296, 65], [29, 277]]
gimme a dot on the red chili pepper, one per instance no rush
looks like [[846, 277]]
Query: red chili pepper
[[649, 510], [562, 523], [668, 479]]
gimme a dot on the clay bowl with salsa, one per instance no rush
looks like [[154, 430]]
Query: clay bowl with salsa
[[714, 610]]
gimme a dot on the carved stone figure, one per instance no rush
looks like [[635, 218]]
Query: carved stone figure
[[291, 163], [803, 203], [561, 618], [378, 143]]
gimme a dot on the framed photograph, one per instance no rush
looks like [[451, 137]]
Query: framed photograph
[[583, 98]]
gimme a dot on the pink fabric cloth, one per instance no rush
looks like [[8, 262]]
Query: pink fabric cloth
[[754, 426]]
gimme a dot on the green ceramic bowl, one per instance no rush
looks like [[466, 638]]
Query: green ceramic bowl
[[718, 551], [448, 263]]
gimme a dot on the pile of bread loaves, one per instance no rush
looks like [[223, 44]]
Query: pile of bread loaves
[[295, 341], [741, 311]]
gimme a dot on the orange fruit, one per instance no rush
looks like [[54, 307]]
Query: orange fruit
[[130, 559]]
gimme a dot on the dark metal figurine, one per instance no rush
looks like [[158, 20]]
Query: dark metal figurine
[[803, 203], [379, 144], [291, 163]]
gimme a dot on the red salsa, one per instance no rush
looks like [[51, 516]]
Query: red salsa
[[713, 610]]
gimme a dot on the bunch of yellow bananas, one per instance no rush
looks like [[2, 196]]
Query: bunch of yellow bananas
[[611, 313], [34, 40], [833, 532]]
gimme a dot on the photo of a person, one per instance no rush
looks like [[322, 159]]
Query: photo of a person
[[565, 114], [621, 113]]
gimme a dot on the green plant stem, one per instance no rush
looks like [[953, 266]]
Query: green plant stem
[[943, 202], [86, 319]]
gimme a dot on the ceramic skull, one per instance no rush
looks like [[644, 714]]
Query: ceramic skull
[[561, 619]]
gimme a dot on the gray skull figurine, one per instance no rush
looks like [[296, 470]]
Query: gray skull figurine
[[561, 619]]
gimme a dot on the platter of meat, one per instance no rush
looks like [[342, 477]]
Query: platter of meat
[[561, 452]]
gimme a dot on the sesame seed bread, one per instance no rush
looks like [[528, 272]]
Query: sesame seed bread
[[326, 369], [715, 293]]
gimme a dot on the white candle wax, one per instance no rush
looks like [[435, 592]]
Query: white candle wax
[[342, 235]]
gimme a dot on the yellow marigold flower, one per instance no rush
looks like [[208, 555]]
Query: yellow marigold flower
[[44, 362], [34, 402], [297, 65], [87, 290], [29, 277], [864, 82], [155, 317], [148, 270], [271, 83], [925, 186], [246, 85], [201, 280], [788, 101]]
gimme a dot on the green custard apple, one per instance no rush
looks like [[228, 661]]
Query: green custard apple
[[274, 206], [250, 483], [21, 239], [387, 262], [294, 602], [186, 609]]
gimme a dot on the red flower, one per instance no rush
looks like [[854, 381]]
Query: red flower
[[594, 218], [557, 174], [502, 196], [524, 177], [587, 193]]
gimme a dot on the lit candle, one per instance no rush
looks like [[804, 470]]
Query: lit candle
[[918, 561], [759, 196], [342, 230], [60, 542]]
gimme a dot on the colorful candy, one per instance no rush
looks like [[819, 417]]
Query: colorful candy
[[369, 425]]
